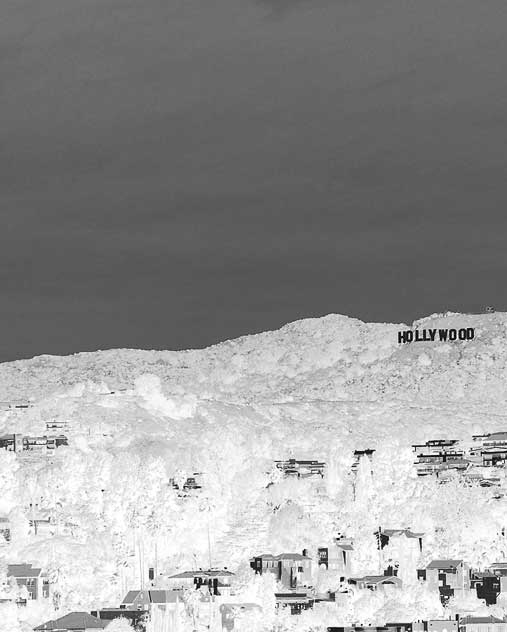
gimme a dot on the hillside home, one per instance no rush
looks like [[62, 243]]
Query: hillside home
[[5, 530], [217, 581], [150, 599], [495, 440], [359, 455], [337, 557], [399, 538], [436, 446], [375, 582], [187, 486], [449, 577], [500, 569], [291, 569], [436, 625], [73, 622], [11, 442], [297, 601], [486, 585], [434, 463], [494, 457], [358, 628], [33, 579], [482, 624], [19, 443], [301, 468]]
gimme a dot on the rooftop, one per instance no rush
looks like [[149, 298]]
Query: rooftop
[[73, 621], [22, 570], [444, 564]]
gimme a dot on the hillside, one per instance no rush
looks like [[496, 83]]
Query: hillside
[[316, 388]]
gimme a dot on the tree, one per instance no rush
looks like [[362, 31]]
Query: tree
[[120, 625]]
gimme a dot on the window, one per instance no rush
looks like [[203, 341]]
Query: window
[[300, 570]]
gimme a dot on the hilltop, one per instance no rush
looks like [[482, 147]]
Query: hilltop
[[316, 388]]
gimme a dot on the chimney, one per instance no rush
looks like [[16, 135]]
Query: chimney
[[305, 552]]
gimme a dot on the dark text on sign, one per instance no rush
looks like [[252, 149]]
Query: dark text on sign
[[440, 335]]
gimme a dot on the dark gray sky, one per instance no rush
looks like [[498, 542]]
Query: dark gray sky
[[174, 173]]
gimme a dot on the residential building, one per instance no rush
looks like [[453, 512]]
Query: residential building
[[218, 581], [33, 579], [359, 455], [449, 577], [436, 625], [437, 462], [73, 622], [487, 586], [293, 570], [399, 538], [436, 446], [188, 485], [337, 557], [150, 599], [495, 440], [358, 628], [301, 468], [297, 601], [375, 582], [5, 531], [482, 624]]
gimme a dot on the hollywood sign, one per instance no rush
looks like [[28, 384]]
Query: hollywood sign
[[441, 335]]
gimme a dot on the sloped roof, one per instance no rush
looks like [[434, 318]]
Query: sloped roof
[[73, 621], [345, 547], [444, 564], [282, 556], [497, 436], [22, 570], [154, 596], [377, 579], [471, 619], [406, 532], [209, 573], [498, 565]]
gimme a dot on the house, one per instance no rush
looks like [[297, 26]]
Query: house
[[11, 442], [495, 440], [436, 625], [487, 586], [499, 568], [75, 621], [218, 581], [337, 557], [231, 611], [291, 569], [297, 601], [301, 468], [19, 443], [188, 485], [358, 628], [149, 599], [359, 455], [494, 457], [33, 579], [436, 462], [482, 624], [375, 582], [435, 446], [399, 627], [396, 537], [449, 577], [5, 530]]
